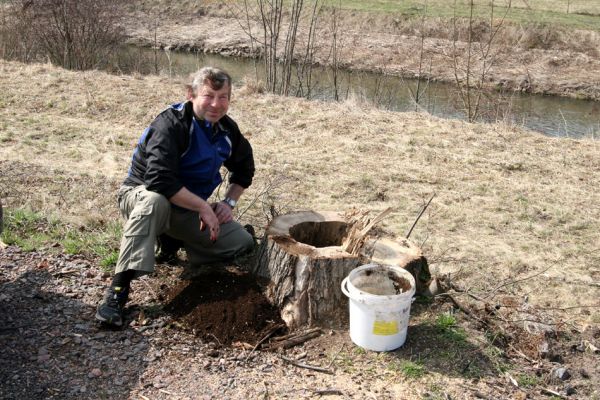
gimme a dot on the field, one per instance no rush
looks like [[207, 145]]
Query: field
[[582, 14], [514, 220]]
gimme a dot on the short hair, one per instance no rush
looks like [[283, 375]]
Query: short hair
[[216, 78]]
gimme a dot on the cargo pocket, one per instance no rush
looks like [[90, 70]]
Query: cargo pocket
[[138, 223]]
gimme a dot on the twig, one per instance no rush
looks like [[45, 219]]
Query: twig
[[302, 365], [295, 334], [465, 291], [335, 356], [493, 291], [294, 340], [328, 392], [552, 393], [214, 337], [464, 309], [267, 336], [143, 397], [519, 353], [419, 216], [157, 325]]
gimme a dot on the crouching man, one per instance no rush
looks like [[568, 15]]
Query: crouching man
[[174, 170]]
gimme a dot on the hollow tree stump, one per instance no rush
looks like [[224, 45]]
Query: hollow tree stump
[[301, 255]]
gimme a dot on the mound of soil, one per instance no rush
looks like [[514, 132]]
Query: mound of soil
[[226, 305]]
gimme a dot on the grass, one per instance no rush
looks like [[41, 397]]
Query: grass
[[481, 237], [583, 13], [448, 328], [33, 231], [410, 369], [528, 380]]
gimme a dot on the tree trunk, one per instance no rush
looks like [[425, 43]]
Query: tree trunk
[[302, 258]]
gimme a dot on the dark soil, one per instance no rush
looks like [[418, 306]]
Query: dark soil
[[226, 305]]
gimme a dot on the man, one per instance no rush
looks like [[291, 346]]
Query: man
[[174, 170]]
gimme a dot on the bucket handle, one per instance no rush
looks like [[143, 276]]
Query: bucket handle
[[345, 289]]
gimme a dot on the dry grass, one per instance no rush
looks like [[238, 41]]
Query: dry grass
[[509, 203]]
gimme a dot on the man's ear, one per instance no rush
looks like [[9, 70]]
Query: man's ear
[[189, 92]]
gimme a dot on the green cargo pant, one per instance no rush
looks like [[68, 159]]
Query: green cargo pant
[[150, 214]]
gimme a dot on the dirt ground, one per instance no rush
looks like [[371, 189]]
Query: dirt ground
[[513, 225], [225, 305], [526, 59]]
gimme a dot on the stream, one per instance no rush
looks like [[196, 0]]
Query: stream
[[551, 115]]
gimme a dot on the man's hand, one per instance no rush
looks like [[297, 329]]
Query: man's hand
[[223, 212], [186, 199], [209, 220]]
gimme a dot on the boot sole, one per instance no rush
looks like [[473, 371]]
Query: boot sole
[[108, 321]]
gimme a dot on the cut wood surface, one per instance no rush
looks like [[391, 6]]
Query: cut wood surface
[[303, 257]]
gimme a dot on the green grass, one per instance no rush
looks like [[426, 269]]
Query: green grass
[[527, 380], [33, 231], [410, 369], [583, 13], [447, 326]]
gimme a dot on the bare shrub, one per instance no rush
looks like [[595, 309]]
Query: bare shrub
[[16, 34], [276, 29], [75, 34]]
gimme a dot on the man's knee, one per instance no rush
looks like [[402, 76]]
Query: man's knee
[[246, 241], [243, 242], [159, 203]]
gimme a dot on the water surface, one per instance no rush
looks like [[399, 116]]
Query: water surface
[[551, 115]]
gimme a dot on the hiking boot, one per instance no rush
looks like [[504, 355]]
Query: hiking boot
[[110, 311], [167, 249]]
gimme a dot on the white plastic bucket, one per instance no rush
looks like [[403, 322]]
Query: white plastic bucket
[[379, 302]]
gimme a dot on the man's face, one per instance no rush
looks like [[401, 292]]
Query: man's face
[[211, 104]]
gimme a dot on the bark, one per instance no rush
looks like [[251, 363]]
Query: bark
[[302, 258]]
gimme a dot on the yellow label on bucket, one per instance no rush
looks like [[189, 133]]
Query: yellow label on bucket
[[385, 328]]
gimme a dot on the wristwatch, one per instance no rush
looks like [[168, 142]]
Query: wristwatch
[[230, 202]]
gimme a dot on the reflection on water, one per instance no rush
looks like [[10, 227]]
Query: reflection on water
[[551, 115]]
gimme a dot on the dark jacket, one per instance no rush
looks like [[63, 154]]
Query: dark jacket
[[158, 154]]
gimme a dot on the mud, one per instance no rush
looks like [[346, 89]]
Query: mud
[[225, 305]]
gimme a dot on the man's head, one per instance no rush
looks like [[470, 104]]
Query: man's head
[[209, 92]]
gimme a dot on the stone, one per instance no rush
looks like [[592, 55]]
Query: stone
[[543, 349], [570, 390], [562, 373]]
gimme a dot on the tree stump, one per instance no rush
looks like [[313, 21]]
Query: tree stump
[[301, 256]]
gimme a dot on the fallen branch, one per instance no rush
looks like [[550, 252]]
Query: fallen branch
[[294, 334], [285, 342], [552, 393], [307, 366], [267, 336], [464, 309], [328, 392]]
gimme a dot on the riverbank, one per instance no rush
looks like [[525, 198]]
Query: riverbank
[[533, 59], [515, 217]]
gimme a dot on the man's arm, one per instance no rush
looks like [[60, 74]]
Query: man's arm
[[186, 199]]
